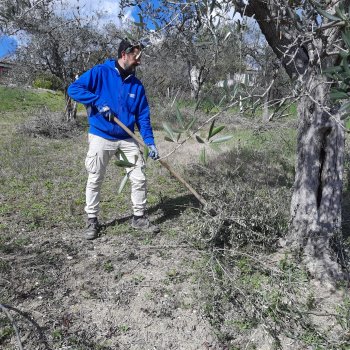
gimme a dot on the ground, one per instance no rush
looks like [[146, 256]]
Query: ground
[[124, 290], [204, 282], [129, 291]]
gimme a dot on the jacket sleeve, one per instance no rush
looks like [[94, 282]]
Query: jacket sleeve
[[143, 119], [83, 89]]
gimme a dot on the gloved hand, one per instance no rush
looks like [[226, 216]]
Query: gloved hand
[[153, 152], [106, 112]]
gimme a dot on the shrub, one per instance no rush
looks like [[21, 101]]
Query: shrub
[[42, 83], [47, 81], [51, 125]]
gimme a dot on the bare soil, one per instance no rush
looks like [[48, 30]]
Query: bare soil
[[129, 291]]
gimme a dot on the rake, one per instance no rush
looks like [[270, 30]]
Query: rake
[[163, 163]]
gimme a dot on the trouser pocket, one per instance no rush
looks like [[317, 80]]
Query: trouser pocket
[[91, 162]]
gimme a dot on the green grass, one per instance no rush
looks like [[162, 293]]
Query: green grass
[[19, 99]]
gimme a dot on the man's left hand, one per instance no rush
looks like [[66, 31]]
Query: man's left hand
[[106, 112], [153, 152]]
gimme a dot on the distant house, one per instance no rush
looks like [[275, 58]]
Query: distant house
[[247, 77], [5, 67]]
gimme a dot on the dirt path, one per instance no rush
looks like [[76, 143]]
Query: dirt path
[[128, 291]]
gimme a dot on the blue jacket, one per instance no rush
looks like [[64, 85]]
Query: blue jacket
[[102, 85]]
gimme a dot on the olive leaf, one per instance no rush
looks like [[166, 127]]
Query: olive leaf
[[145, 152], [203, 157], [169, 131], [199, 139], [222, 139], [123, 183]]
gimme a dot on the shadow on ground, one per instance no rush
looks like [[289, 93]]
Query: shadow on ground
[[167, 209]]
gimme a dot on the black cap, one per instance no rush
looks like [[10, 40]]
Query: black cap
[[126, 46]]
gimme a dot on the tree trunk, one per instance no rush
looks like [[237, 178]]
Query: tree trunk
[[317, 193], [70, 112], [195, 79]]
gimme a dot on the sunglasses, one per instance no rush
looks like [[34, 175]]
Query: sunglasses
[[136, 55]]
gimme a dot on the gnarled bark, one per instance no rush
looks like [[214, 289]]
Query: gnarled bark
[[317, 191]]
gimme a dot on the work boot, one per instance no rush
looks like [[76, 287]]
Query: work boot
[[142, 223], [93, 229]]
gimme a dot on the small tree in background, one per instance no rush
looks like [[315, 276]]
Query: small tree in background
[[192, 32], [59, 45]]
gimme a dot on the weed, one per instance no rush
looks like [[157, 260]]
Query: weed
[[108, 266], [172, 274], [4, 266], [242, 325], [311, 337], [57, 334], [343, 314], [147, 241], [6, 333], [123, 328], [137, 279], [310, 301]]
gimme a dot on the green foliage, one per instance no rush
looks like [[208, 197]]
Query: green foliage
[[57, 334], [340, 74], [47, 81], [123, 328], [343, 314], [328, 15], [42, 83]]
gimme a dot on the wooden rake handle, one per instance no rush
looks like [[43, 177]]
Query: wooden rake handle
[[163, 163]]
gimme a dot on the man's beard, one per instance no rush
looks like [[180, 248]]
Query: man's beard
[[130, 69]]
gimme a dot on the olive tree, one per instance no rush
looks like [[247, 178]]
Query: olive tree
[[193, 32], [306, 37], [307, 42], [59, 44]]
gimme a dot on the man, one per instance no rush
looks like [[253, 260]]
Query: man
[[111, 90]]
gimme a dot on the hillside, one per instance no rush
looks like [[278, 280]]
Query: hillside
[[218, 282]]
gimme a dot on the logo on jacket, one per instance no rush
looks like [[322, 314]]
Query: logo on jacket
[[132, 95]]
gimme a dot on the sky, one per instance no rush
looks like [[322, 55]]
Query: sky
[[7, 46], [110, 9]]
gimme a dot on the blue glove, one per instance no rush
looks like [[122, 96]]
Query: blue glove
[[153, 152], [106, 112]]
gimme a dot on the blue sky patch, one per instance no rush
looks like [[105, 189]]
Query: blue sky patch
[[7, 46]]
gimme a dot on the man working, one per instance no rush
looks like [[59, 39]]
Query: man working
[[111, 90]]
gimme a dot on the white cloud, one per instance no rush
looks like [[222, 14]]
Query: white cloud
[[107, 9]]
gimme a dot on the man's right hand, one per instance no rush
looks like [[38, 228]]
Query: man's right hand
[[153, 152], [106, 112]]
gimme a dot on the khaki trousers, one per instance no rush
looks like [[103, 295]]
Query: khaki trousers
[[99, 154]]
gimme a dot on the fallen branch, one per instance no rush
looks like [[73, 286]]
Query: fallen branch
[[4, 309]]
